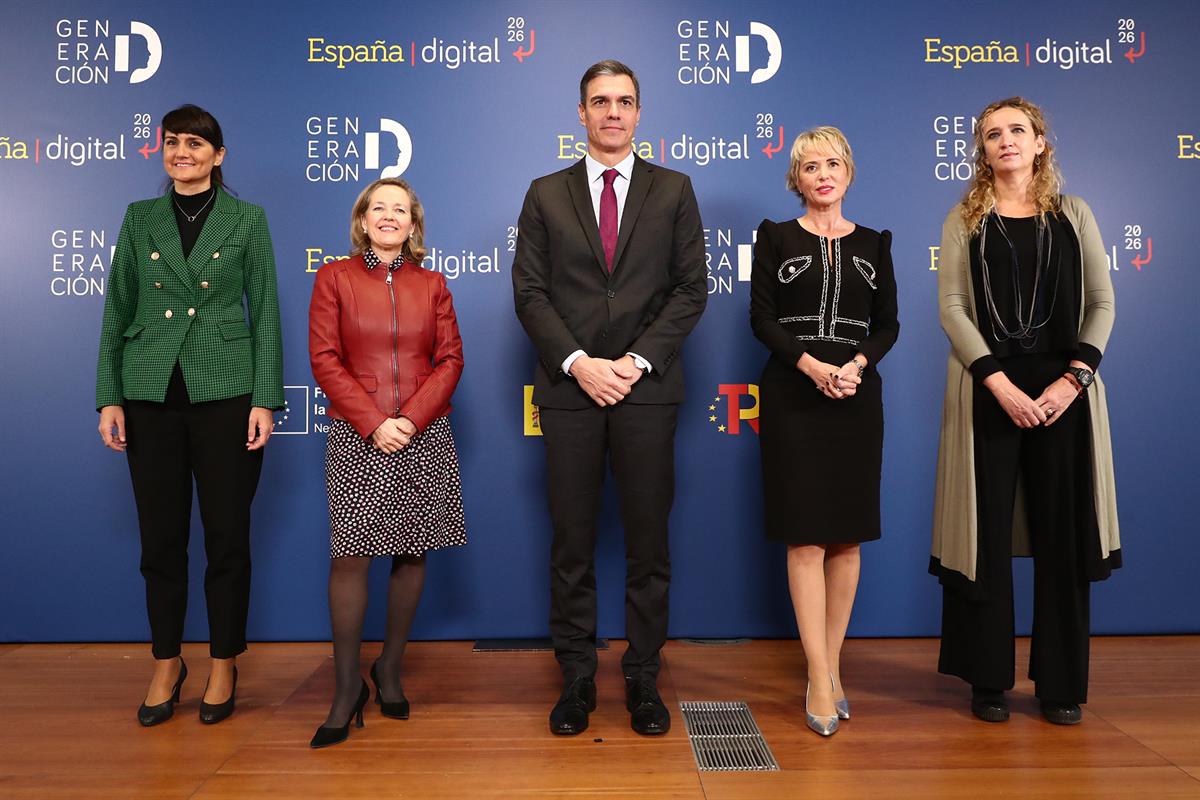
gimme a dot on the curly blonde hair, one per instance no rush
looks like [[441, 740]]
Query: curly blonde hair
[[414, 247], [1044, 190]]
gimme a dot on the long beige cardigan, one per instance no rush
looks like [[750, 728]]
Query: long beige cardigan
[[955, 521]]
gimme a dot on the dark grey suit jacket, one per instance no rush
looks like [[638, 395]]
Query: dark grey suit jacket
[[567, 300]]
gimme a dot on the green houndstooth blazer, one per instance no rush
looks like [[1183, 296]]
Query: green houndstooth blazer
[[160, 308]]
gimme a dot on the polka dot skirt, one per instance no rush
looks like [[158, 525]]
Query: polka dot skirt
[[405, 503]]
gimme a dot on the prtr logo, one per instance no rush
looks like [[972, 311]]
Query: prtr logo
[[730, 419]]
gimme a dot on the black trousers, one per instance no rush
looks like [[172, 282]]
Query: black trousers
[[1055, 468], [169, 444], [639, 440]]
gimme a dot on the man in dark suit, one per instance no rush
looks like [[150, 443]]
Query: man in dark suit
[[609, 278]]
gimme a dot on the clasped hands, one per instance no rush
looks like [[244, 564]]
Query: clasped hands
[[1024, 411], [606, 381], [393, 435], [834, 382]]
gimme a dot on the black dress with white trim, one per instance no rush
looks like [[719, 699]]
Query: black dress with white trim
[[821, 458]]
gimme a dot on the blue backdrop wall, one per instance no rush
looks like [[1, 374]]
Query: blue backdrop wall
[[473, 100]]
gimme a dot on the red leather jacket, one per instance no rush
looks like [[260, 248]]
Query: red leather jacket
[[381, 349]]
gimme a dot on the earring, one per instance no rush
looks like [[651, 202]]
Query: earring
[[1037, 160], [364, 228]]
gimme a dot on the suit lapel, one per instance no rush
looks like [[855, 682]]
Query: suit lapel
[[220, 223], [639, 186], [164, 232], [581, 195]]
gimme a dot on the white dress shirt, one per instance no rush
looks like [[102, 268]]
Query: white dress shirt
[[595, 174]]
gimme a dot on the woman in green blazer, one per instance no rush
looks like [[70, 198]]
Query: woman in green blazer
[[185, 387]]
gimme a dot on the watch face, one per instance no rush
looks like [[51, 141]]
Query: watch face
[[1084, 376]]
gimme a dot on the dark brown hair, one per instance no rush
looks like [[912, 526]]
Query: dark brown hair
[[608, 66], [195, 120]]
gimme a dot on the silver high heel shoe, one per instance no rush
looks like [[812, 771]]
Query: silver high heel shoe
[[843, 705], [826, 726], [843, 708]]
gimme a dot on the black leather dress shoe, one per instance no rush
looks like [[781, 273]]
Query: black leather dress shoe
[[212, 713], [989, 705], [149, 716], [570, 714], [1062, 713], [647, 713]]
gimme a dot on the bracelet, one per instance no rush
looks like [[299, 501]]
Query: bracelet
[[1071, 379], [861, 367]]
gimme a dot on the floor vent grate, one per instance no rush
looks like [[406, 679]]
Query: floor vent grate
[[725, 738]]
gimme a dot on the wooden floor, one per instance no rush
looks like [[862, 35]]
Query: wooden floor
[[478, 728]]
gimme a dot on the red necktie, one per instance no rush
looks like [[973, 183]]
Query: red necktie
[[608, 217]]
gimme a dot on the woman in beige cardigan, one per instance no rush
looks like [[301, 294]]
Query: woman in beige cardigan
[[1025, 462]]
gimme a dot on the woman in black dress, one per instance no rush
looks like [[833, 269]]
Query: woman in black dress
[[823, 300]]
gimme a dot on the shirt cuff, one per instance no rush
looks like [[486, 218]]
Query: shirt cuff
[[641, 363], [1089, 355], [569, 360], [984, 366]]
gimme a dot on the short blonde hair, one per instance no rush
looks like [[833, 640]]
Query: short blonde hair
[[825, 136], [414, 247]]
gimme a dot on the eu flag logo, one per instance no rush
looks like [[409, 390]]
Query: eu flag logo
[[293, 419]]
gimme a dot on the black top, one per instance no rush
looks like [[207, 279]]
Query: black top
[[197, 206], [1040, 290], [832, 298]]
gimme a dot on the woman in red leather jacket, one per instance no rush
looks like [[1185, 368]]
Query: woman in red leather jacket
[[384, 345]]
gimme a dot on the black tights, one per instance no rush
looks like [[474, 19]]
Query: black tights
[[348, 606]]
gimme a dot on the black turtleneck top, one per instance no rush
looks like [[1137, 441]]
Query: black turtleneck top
[[192, 205]]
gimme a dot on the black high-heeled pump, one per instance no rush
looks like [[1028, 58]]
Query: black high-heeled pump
[[327, 735], [396, 710], [212, 713], [149, 716]]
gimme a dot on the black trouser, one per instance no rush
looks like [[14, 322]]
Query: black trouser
[[169, 443], [639, 440], [1055, 468]]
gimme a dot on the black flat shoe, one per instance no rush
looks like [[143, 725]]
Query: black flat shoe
[[212, 713], [989, 705], [648, 714], [327, 735], [1062, 713], [570, 714], [396, 710], [149, 716]]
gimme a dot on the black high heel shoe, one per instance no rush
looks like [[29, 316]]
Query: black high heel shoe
[[149, 716], [212, 713], [396, 710], [327, 735]]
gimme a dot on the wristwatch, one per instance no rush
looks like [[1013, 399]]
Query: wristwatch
[[1081, 377]]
